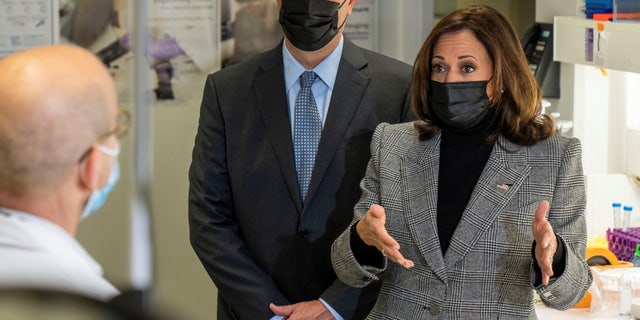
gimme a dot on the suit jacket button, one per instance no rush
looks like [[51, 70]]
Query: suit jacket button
[[304, 233], [434, 310]]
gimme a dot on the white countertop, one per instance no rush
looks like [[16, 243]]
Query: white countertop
[[546, 313]]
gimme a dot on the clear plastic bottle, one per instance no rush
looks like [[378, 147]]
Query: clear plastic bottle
[[625, 291], [617, 215], [627, 217]]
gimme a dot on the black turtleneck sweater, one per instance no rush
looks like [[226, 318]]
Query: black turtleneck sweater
[[463, 155]]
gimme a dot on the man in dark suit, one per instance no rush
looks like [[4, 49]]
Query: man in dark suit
[[263, 236]]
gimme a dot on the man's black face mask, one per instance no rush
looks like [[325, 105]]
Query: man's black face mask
[[310, 24]]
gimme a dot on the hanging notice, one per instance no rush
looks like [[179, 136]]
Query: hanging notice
[[183, 45], [362, 25], [27, 23], [182, 39]]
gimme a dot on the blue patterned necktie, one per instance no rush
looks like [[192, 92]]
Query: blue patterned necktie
[[306, 132]]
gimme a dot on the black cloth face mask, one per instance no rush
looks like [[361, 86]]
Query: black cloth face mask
[[461, 105], [310, 24]]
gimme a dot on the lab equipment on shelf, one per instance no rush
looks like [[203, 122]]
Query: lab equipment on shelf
[[627, 217], [623, 242], [617, 215]]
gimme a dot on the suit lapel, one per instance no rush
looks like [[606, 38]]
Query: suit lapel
[[348, 90], [272, 103], [501, 178], [420, 177]]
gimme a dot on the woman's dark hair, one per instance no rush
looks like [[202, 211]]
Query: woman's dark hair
[[516, 97]]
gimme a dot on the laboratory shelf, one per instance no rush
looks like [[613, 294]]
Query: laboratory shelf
[[577, 40]]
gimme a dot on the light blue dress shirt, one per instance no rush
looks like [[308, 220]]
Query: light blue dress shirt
[[322, 89]]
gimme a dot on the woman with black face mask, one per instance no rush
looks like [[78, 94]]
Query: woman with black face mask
[[467, 210], [282, 144]]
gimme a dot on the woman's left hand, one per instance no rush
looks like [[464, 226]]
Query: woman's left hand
[[546, 242]]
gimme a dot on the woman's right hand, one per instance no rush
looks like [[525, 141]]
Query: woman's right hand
[[372, 231]]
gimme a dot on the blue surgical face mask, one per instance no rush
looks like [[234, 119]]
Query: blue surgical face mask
[[98, 197]]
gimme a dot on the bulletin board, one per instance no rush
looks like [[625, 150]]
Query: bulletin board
[[27, 23], [182, 42]]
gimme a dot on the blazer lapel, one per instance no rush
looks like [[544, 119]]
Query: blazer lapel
[[420, 183], [348, 90], [501, 178], [272, 103]]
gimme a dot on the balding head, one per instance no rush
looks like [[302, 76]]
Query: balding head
[[54, 102]]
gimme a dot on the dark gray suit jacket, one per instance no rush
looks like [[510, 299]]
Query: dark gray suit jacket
[[255, 238], [486, 273]]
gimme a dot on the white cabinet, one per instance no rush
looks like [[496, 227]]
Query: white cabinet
[[617, 46]]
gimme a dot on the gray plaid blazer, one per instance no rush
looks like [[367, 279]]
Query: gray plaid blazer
[[487, 271]]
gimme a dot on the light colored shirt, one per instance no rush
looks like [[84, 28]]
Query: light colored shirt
[[322, 89], [36, 253], [333, 312]]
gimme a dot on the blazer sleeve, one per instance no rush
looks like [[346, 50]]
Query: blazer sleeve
[[214, 230], [567, 218], [343, 259]]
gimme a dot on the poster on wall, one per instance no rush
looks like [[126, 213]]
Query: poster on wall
[[183, 46], [27, 23], [181, 37]]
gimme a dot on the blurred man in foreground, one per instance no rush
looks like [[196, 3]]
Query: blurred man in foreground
[[59, 140]]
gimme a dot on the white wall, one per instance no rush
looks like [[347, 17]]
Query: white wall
[[547, 9], [403, 27], [603, 190]]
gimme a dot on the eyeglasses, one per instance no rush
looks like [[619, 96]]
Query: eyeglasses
[[123, 123]]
